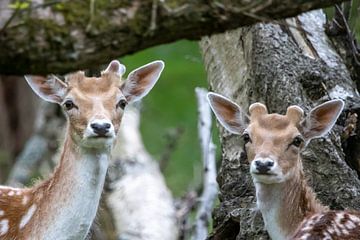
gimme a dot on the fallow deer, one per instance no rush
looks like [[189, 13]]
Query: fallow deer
[[273, 143], [64, 206]]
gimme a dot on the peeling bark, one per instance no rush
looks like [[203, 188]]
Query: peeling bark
[[266, 63], [63, 36]]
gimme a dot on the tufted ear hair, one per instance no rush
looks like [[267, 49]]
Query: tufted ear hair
[[321, 119], [141, 81], [50, 89], [229, 114]]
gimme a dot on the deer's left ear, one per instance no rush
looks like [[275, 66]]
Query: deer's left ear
[[141, 81], [50, 89], [321, 119], [229, 114]]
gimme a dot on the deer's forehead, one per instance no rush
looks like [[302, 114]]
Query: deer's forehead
[[273, 127], [87, 99], [106, 84]]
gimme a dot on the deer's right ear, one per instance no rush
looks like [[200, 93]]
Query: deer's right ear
[[228, 113], [141, 81], [50, 89]]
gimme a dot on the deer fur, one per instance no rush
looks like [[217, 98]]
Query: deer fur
[[273, 143], [64, 206]]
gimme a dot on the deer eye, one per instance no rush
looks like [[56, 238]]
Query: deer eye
[[121, 104], [297, 141], [246, 138], [69, 105]]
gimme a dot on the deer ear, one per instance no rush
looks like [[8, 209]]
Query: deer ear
[[141, 81], [321, 119], [228, 113], [50, 89]]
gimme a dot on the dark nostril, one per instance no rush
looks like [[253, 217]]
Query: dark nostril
[[263, 167], [100, 129], [270, 163]]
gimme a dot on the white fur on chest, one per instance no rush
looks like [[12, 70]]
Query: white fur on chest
[[76, 215], [270, 209]]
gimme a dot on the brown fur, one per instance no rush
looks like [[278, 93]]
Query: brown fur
[[337, 225], [298, 201], [272, 135], [273, 146], [94, 97]]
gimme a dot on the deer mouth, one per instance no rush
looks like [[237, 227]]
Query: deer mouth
[[100, 137], [265, 174]]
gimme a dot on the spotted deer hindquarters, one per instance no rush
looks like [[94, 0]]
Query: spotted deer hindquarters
[[332, 225], [16, 210]]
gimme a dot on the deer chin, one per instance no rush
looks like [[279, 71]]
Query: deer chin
[[271, 177], [267, 178], [98, 142]]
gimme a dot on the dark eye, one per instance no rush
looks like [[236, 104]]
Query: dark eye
[[246, 138], [297, 141], [69, 105], [121, 104]]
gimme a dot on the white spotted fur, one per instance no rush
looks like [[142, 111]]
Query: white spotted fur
[[4, 226], [26, 218]]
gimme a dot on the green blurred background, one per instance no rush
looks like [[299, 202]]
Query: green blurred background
[[169, 112]]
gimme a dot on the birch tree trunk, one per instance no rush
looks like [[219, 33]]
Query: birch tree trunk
[[140, 202], [279, 66]]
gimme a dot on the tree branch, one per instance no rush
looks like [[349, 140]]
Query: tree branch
[[210, 191], [54, 39]]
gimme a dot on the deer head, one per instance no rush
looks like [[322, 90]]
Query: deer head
[[273, 141], [94, 105]]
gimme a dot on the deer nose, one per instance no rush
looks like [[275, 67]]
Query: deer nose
[[264, 165], [101, 129]]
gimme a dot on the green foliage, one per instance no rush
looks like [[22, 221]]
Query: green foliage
[[171, 105], [21, 5], [355, 18]]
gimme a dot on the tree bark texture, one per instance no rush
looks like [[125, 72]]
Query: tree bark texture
[[279, 66], [63, 36]]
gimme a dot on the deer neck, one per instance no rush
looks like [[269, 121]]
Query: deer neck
[[67, 203], [284, 205]]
